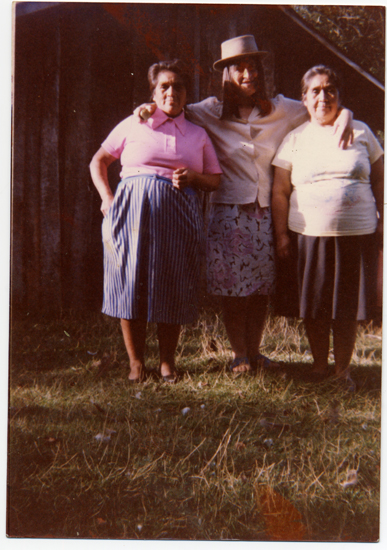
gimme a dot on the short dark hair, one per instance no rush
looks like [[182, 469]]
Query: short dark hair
[[175, 66], [332, 74]]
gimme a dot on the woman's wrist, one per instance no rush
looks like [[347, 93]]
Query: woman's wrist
[[106, 196], [281, 234]]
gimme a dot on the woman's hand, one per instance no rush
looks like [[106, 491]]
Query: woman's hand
[[144, 111], [280, 210], [183, 177], [99, 174], [343, 127], [283, 246], [106, 204]]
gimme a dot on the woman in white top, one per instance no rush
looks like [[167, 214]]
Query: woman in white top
[[327, 208], [246, 129]]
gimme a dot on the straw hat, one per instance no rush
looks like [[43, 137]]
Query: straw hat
[[235, 48]]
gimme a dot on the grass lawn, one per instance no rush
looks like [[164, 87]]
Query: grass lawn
[[276, 456]]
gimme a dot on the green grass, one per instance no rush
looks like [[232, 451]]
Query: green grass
[[255, 458]]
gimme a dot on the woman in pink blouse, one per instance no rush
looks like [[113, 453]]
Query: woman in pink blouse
[[152, 228]]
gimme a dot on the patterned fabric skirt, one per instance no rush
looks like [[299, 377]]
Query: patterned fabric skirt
[[153, 244], [329, 277], [240, 250]]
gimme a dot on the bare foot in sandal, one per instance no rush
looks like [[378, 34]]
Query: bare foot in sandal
[[240, 365]]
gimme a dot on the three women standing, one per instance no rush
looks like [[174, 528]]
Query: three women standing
[[246, 129]]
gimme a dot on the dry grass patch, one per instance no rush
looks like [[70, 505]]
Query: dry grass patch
[[210, 458]]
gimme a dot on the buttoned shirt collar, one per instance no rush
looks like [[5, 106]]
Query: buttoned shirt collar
[[159, 117]]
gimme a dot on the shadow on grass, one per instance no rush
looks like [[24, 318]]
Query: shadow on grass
[[367, 379]]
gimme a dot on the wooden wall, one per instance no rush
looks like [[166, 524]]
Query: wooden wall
[[79, 70]]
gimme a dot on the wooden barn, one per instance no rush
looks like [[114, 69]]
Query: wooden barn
[[79, 69]]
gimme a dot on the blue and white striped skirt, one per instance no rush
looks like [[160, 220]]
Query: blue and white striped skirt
[[153, 241]]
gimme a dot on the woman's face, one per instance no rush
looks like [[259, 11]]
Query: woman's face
[[322, 100], [170, 94], [244, 75]]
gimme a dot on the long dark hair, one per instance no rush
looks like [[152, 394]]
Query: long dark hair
[[231, 95]]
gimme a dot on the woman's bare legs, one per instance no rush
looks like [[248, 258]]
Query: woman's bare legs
[[344, 338], [255, 322], [168, 336], [318, 331], [134, 333], [234, 318], [244, 319]]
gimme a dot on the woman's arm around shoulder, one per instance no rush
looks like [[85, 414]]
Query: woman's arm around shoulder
[[99, 174], [293, 110], [144, 111], [199, 112], [280, 208], [194, 112], [343, 127], [297, 113]]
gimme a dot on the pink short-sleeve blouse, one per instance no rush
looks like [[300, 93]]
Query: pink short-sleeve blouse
[[160, 146]]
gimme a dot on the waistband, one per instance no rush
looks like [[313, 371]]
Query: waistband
[[131, 179]]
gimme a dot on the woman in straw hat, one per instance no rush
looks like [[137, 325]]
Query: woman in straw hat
[[246, 128]]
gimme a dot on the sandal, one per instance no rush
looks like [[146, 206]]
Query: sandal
[[240, 361], [169, 378], [262, 362]]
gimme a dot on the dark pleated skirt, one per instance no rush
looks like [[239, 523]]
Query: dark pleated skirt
[[329, 277], [153, 246]]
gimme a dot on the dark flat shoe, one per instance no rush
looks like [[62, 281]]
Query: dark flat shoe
[[169, 378], [262, 362]]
